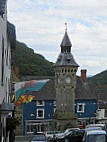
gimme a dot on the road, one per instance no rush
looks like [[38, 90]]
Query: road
[[23, 138]]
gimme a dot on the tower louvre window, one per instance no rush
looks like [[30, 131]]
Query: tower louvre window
[[75, 70]]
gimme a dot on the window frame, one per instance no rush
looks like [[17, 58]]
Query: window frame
[[54, 103], [54, 110], [38, 113], [83, 106], [38, 104]]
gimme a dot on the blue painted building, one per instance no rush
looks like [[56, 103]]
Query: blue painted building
[[39, 113], [86, 110]]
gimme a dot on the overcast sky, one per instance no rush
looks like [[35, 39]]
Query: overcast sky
[[41, 25]]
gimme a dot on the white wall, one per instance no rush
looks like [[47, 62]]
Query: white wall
[[4, 89], [100, 114]]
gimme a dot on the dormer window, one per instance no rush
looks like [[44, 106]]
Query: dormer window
[[68, 59]]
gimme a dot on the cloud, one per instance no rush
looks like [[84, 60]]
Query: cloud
[[40, 24]]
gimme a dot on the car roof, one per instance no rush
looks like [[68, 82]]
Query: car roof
[[92, 128], [95, 125], [71, 129], [94, 132]]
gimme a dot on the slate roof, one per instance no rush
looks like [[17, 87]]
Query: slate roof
[[101, 94], [27, 78], [65, 59], [2, 6], [11, 34], [48, 91], [83, 91], [66, 41]]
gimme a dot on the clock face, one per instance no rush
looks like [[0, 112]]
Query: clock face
[[68, 79]]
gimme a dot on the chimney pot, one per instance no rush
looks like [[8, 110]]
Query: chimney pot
[[83, 74]]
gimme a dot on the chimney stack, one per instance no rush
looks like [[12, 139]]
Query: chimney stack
[[83, 74]]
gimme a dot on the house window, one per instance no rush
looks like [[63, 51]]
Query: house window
[[80, 107], [40, 113], [54, 110], [40, 103], [2, 77], [54, 103]]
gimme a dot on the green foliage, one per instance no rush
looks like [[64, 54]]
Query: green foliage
[[30, 63], [98, 83], [99, 79]]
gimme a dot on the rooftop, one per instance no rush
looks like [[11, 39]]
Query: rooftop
[[48, 91]]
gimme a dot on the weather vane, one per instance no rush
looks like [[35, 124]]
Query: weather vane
[[66, 26]]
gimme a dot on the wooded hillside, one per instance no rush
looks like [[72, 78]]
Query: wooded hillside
[[30, 63]]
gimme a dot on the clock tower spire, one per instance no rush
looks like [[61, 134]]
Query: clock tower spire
[[66, 43], [65, 83]]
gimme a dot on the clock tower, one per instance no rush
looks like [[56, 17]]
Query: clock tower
[[65, 84]]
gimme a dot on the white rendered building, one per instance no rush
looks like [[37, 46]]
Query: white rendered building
[[7, 44]]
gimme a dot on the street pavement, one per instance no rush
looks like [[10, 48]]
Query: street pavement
[[23, 138]]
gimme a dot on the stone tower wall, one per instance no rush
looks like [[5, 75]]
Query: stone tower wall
[[65, 82]]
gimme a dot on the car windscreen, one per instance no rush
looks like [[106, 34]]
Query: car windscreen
[[39, 138], [96, 138]]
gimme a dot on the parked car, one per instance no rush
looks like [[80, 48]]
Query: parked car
[[95, 136], [93, 128], [71, 129], [39, 138], [60, 137], [103, 126], [51, 134], [74, 135]]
